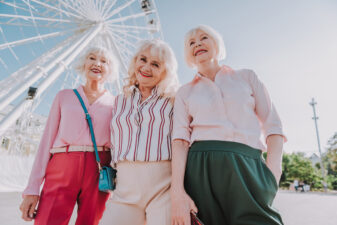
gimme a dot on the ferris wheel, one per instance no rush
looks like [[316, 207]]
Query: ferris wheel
[[39, 39]]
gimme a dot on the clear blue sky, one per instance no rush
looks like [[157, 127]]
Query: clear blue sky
[[290, 44]]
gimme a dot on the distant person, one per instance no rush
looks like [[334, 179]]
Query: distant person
[[217, 165], [301, 185], [296, 184], [65, 159], [141, 129]]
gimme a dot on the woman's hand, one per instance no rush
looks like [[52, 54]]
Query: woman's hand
[[182, 205], [28, 206]]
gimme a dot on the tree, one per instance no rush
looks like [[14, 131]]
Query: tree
[[330, 159], [297, 166]]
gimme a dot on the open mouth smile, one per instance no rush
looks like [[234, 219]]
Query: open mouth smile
[[145, 74], [200, 52], [95, 70]]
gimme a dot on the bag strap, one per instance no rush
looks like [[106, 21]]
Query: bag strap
[[88, 118]]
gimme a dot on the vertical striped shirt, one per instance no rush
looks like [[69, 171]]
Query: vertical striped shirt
[[141, 131]]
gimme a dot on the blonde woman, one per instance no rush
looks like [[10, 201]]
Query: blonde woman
[[219, 116], [65, 160], [141, 129]]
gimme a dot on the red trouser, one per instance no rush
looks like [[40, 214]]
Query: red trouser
[[70, 178]]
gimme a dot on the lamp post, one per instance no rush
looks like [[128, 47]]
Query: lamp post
[[315, 118]]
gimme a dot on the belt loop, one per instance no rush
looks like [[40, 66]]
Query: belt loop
[[67, 148]]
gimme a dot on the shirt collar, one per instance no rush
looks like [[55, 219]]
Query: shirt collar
[[154, 91], [223, 70]]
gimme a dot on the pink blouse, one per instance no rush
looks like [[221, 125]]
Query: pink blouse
[[235, 107], [66, 125]]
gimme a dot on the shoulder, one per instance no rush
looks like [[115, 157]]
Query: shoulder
[[65, 93], [185, 89], [247, 75]]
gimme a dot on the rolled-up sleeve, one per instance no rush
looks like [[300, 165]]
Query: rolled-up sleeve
[[43, 152], [265, 109], [181, 119]]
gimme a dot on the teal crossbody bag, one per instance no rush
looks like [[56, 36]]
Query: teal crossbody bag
[[107, 174]]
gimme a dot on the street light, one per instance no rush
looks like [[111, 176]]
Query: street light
[[315, 118]]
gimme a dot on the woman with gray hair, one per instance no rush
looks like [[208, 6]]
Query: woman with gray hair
[[219, 119], [141, 129], [65, 159]]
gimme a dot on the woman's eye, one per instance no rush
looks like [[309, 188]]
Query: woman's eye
[[103, 61], [143, 59], [155, 65], [192, 43], [92, 58], [204, 37]]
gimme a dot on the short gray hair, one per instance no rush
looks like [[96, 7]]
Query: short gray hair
[[113, 64], [221, 50]]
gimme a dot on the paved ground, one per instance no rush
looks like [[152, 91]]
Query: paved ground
[[296, 209]]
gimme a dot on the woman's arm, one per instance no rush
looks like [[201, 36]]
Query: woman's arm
[[31, 193], [182, 204], [274, 155], [271, 125]]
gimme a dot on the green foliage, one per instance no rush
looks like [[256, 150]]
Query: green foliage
[[331, 160], [297, 166]]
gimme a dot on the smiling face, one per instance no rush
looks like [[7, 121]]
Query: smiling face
[[149, 69], [96, 67], [201, 48]]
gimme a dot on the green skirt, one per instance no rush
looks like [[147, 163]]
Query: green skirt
[[230, 184]]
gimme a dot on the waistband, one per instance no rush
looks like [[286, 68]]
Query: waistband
[[225, 146], [74, 148]]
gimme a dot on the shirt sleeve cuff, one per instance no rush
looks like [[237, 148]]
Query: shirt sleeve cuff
[[276, 132], [181, 135], [31, 191]]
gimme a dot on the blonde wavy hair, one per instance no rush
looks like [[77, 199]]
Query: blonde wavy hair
[[168, 86]]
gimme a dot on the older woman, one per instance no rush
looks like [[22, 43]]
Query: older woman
[[141, 138], [218, 119], [65, 159]]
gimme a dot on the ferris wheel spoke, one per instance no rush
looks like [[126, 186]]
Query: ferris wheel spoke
[[9, 47], [16, 79], [35, 18], [106, 10], [128, 34], [119, 9], [3, 64], [68, 5], [36, 38], [128, 27], [123, 31], [123, 40], [57, 9], [14, 6], [121, 19]]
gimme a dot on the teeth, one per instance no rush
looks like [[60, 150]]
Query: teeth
[[201, 51], [144, 74]]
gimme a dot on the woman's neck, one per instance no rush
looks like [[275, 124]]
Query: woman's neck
[[94, 87], [209, 69], [145, 92]]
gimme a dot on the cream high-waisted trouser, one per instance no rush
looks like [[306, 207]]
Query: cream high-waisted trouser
[[141, 196]]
